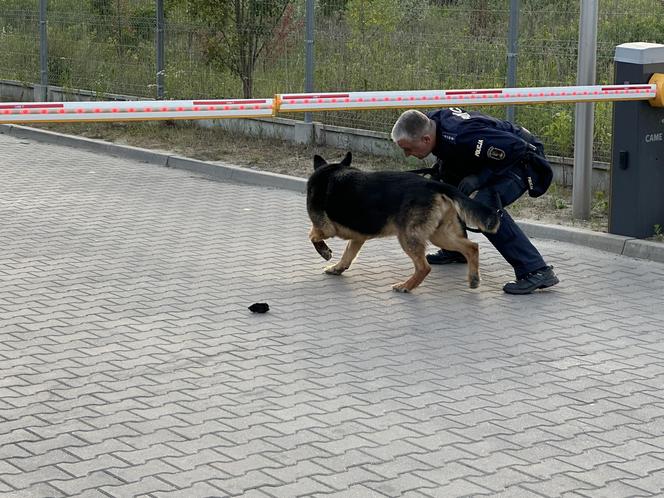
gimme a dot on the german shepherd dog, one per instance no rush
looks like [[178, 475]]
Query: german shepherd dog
[[355, 205]]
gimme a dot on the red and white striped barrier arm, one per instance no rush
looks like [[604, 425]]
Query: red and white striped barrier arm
[[305, 102], [35, 112]]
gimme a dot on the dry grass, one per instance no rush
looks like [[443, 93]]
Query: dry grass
[[214, 144]]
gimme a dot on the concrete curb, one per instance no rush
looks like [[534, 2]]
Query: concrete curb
[[596, 240], [217, 170], [616, 244]]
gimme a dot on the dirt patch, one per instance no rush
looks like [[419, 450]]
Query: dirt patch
[[214, 144]]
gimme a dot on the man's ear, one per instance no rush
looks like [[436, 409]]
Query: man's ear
[[318, 162], [346, 161]]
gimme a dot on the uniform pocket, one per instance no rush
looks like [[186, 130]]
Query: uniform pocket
[[513, 187]]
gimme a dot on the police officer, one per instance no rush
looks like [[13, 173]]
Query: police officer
[[495, 162]]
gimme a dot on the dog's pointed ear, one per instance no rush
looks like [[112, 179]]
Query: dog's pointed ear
[[319, 161], [347, 159]]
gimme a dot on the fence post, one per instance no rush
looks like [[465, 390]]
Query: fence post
[[309, 54], [512, 51], [160, 49], [584, 117], [41, 90], [304, 131]]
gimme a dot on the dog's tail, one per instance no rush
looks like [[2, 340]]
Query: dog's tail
[[473, 213]]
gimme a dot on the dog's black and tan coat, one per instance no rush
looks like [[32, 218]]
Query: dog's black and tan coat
[[355, 205]]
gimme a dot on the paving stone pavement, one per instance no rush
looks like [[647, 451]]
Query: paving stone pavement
[[130, 365]]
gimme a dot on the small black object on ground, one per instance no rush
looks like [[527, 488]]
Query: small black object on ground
[[259, 308]]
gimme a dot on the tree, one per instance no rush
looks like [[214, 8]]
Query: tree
[[125, 23], [237, 32]]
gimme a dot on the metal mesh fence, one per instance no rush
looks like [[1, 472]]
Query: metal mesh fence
[[463, 44], [103, 46], [19, 36], [103, 53], [108, 46]]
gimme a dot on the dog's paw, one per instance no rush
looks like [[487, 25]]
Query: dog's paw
[[474, 282], [400, 288], [333, 270]]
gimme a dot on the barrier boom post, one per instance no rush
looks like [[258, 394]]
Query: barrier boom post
[[636, 203]]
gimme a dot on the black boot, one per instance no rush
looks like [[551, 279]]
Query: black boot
[[444, 257], [539, 279]]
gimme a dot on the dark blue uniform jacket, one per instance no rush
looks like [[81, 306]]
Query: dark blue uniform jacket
[[472, 143]]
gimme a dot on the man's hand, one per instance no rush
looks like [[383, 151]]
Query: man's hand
[[470, 184]]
